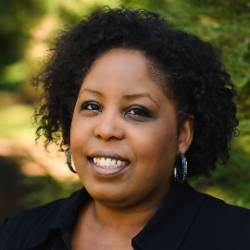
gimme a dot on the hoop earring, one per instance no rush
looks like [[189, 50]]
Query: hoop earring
[[180, 170], [68, 161]]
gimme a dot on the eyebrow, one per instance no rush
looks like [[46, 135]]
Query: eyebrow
[[129, 96]]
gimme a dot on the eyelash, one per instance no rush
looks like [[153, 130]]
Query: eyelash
[[143, 112]]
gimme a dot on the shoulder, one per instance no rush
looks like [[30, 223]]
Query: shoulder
[[17, 230], [220, 225], [38, 212], [221, 212]]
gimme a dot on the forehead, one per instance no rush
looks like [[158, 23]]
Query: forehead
[[123, 70]]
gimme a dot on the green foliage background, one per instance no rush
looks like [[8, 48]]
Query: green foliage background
[[225, 23]]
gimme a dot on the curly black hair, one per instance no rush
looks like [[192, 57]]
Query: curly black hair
[[196, 78]]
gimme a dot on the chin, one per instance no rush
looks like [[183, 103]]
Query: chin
[[110, 195]]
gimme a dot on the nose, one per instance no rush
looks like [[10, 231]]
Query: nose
[[108, 126]]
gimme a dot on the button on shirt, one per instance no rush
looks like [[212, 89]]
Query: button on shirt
[[186, 220]]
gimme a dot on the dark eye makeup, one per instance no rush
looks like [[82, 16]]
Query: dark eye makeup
[[91, 106], [138, 111], [134, 111]]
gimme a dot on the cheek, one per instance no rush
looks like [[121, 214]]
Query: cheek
[[79, 133], [79, 139], [74, 131], [156, 146]]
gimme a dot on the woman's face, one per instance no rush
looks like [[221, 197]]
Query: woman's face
[[124, 137]]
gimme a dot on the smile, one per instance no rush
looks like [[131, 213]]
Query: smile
[[107, 165], [108, 162]]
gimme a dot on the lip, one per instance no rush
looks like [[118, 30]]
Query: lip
[[107, 172]]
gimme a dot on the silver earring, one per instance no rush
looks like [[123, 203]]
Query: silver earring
[[69, 164], [180, 170]]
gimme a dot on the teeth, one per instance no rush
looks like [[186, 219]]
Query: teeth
[[108, 162]]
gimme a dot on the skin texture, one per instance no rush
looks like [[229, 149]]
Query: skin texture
[[107, 120]]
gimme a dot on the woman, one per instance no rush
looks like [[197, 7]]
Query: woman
[[138, 105]]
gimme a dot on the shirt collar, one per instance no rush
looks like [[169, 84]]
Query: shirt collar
[[166, 228], [58, 220], [172, 221]]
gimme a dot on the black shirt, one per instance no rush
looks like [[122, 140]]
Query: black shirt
[[186, 220]]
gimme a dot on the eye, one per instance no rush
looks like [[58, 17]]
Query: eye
[[138, 112], [91, 106]]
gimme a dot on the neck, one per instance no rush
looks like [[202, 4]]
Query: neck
[[121, 219], [129, 220]]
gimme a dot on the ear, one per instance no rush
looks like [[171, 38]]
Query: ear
[[185, 136]]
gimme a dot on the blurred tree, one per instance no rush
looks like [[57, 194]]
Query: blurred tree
[[16, 20], [225, 23]]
